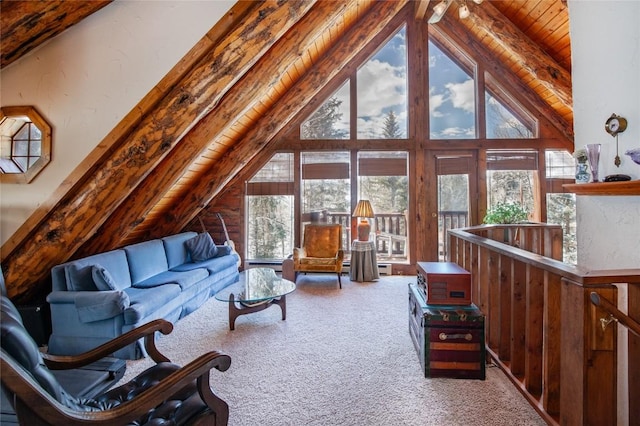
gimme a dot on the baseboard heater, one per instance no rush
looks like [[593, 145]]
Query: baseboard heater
[[383, 268]]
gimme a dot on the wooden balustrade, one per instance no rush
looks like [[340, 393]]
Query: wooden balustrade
[[541, 328]]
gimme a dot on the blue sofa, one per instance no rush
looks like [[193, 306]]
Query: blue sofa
[[99, 297]]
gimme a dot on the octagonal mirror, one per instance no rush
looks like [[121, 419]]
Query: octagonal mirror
[[25, 144]]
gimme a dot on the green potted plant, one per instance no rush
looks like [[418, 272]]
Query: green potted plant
[[504, 212]]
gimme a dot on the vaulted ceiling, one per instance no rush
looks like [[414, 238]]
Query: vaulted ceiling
[[215, 111]]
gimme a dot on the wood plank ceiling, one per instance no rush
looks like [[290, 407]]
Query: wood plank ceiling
[[215, 110]]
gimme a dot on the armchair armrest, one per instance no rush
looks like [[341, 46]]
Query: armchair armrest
[[125, 413], [340, 255], [146, 331]]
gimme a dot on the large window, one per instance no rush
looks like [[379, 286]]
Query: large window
[[382, 92], [270, 210], [452, 110], [383, 180]]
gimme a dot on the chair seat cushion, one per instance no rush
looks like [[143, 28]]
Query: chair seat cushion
[[315, 261], [176, 410]]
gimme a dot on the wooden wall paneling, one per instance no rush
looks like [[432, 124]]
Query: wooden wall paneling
[[534, 330], [74, 220], [203, 191], [518, 318], [551, 323]]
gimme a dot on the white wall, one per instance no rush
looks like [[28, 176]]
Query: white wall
[[85, 80], [605, 43]]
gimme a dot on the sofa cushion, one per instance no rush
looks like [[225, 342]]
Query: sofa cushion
[[184, 279], [96, 306], [146, 260], [175, 248], [146, 301], [201, 247], [103, 279]]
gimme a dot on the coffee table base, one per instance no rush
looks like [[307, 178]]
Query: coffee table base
[[236, 311]]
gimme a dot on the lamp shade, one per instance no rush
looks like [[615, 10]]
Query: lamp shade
[[363, 209]]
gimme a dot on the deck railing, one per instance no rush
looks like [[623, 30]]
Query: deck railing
[[541, 328]]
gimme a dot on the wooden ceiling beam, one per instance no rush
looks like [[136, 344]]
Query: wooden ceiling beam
[[27, 24], [421, 7], [76, 218], [244, 96], [521, 49], [264, 130]]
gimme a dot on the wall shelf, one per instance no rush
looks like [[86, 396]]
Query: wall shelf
[[631, 187]]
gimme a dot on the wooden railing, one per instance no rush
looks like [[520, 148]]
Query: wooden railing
[[541, 328]]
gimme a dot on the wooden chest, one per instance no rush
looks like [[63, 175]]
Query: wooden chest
[[444, 283], [449, 340]]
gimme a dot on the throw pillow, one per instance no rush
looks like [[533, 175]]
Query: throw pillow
[[103, 279], [201, 247], [79, 278]]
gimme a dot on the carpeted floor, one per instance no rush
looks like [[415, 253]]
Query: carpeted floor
[[342, 357]]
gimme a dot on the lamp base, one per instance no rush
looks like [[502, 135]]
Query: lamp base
[[363, 230]]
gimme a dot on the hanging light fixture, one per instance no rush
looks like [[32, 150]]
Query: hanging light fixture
[[441, 8]]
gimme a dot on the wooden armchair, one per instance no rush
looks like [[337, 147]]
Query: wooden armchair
[[321, 250], [163, 394]]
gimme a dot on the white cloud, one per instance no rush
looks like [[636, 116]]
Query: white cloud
[[462, 95], [380, 86]]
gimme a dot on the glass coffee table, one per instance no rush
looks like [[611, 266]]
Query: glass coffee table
[[257, 289]]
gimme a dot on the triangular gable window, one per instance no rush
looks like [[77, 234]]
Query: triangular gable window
[[505, 118], [331, 119], [452, 99]]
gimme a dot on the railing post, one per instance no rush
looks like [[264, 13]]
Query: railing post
[[588, 358]]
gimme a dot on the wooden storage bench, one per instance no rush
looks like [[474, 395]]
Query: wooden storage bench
[[449, 340]]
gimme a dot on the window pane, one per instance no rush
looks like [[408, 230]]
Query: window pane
[[270, 212], [561, 210], [331, 120], [35, 148], [20, 148], [382, 92], [270, 227], [452, 108], [278, 169], [453, 208], [382, 179], [560, 164], [502, 123], [326, 190], [511, 186]]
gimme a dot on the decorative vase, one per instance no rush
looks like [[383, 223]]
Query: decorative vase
[[582, 173], [593, 154]]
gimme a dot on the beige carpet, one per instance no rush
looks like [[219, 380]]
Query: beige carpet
[[342, 357]]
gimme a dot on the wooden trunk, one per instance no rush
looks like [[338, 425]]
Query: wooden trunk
[[449, 340], [444, 283]]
